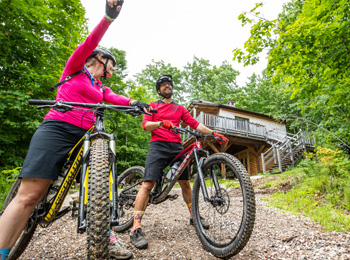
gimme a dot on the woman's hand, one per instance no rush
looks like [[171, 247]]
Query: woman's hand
[[113, 8], [143, 106]]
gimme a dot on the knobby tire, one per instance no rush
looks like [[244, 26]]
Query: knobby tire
[[126, 200], [28, 231], [230, 216], [98, 205]]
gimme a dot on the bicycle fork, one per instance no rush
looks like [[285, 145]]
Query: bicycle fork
[[218, 194], [113, 192]]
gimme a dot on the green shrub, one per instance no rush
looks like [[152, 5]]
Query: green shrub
[[7, 177], [322, 192]]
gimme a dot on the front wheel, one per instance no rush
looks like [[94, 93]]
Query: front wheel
[[229, 209], [129, 183], [29, 229], [98, 205]]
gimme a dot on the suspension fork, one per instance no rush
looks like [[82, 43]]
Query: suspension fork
[[84, 176], [200, 162], [113, 186]]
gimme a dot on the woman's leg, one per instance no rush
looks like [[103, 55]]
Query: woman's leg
[[16, 215]]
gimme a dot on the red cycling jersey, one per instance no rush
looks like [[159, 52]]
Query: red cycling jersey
[[172, 112]]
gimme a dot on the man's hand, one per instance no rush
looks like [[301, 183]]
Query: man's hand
[[113, 8], [224, 139], [167, 124]]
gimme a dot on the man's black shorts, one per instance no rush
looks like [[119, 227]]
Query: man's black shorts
[[48, 149], [159, 154]]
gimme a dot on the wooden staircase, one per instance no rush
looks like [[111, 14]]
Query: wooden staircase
[[287, 152]]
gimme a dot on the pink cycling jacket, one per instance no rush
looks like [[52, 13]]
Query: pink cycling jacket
[[80, 88]]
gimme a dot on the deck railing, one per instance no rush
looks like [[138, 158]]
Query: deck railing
[[284, 150], [235, 126]]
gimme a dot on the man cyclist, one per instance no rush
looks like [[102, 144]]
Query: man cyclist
[[79, 82], [165, 145]]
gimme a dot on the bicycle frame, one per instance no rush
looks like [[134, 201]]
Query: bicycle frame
[[189, 152], [81, 164], [193, 151]]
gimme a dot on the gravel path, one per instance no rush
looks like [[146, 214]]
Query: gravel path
[[276, 235]]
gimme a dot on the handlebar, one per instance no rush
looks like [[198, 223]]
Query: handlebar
[[197, 135], [41, 102], [66, 106]]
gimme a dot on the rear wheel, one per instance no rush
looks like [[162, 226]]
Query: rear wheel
[[28, 231], [98, 205], [230, 211], [127, 191]]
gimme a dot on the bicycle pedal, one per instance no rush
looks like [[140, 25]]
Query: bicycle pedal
[[173, 197]]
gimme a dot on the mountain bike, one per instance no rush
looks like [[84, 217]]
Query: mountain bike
[[93, 157], [228, 206]]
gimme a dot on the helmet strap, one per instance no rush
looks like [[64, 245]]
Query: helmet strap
[[105, 72]]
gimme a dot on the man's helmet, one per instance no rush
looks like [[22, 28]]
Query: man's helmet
[[164, 78], [103, 53]]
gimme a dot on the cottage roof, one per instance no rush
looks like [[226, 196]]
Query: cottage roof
[[208, 104]]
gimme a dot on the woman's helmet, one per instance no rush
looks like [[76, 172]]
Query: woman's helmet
[[164, 78], [104, 54]]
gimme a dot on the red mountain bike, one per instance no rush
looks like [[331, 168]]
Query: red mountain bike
[[227, 205]]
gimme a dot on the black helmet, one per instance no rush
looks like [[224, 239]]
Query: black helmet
[[164, 78], [104, 53]]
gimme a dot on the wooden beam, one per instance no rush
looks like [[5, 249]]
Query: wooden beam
[[261, 148], [223, 171], [252, 150], [225, 146], [212, 146]]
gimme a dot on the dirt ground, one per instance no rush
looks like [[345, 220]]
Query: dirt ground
[[276, 235]]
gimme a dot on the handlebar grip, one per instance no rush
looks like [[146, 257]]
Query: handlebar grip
[[154, 110], [41, 102]]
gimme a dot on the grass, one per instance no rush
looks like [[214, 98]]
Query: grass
[[314, 194], [276, 182]]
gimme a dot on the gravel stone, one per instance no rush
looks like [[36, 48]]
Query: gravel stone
[[277, 235]]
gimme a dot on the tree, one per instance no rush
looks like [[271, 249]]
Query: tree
[[198, 80], [148, 78], [36, 39], [211, 83], [309, 58], [259, 95], [132, 141]]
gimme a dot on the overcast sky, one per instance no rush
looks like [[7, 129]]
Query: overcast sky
[[173, 32]]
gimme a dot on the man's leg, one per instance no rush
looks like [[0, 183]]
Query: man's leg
[[187, 194], [17, 213], [136, 235]]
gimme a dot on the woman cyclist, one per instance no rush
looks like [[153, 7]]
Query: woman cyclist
[[59, 132]]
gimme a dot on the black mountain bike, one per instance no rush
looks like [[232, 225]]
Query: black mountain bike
[[93, 157], [227, 205]]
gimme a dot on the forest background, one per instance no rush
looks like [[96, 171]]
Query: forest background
[[305, 84]]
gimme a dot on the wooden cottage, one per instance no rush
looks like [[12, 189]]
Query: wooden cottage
[[251, 135]]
